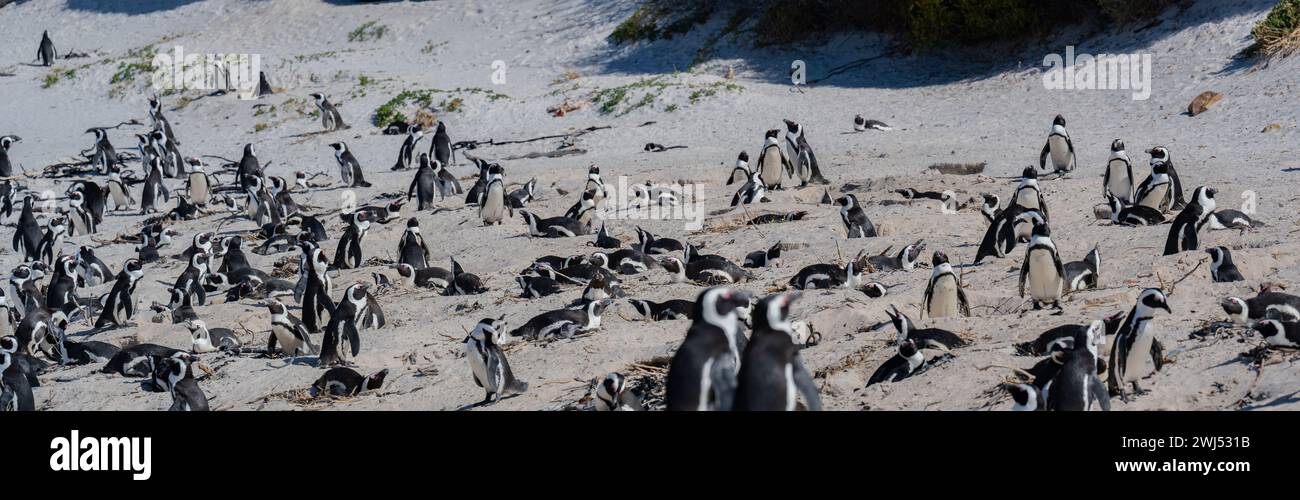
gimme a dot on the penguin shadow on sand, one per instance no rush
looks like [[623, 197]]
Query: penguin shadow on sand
[[484, 404]]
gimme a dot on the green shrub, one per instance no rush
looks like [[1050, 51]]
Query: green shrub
[[1279, 32]]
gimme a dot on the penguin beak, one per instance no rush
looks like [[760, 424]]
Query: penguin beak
[[1165, 305]]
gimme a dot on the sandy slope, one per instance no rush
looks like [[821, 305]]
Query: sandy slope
[[1001, 119]]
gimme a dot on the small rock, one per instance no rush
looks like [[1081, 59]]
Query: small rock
[[1203, 102]]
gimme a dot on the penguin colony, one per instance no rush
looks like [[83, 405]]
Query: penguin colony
[[740, 351]]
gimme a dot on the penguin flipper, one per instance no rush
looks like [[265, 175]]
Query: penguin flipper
[[803, 381], [1042, 157], [724, 381], [354, 338], [962, 303], [1099, 392]]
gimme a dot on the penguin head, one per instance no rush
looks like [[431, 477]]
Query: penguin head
[[1158, 153], [1029, 173], [416, 130], [442, 128], [874, 289], [9, 344], [248, 150], [1205, 196], [5, 361], [611, 388], [1216, 255], [773, 313], [743, 158], [859, 120], [376, 380], [317, 96], [413, 223], [1041, 230], [197, 328], [600, 260], [672, 264], [1152, 299], [338, 146], [9, 140], [1025, 396], [1059, 121], [939, 258], [720, 306], [847, 201], [597, 307], [357, 292], [488, 330], [907, 348], [773, 253], [771, 136], [275, 307], [1269, 327], [1236, 309], [1116, 145], [902, 324], [792, 127]]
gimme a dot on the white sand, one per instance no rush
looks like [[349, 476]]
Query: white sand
[[1001, 118]]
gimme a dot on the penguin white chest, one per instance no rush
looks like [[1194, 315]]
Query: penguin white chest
[[1028, 198], [1156, 197], [770, 170], [1119, 184], [943, 301], [478, 365], [1060, 151], [493, 204], [1044, 282], [1138, 364]]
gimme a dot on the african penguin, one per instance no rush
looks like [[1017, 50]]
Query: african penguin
[[1042, 270], [1058, 147], [1135, 343], [329, 115], [488, 362], [944, 296], [702, 373], [772, 376], [1183, 232], [1222, 269]]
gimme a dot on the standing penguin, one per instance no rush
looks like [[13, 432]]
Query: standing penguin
[[422, 186], [772, 374], [343, 323], [446, 181], [441, 149], [492, 205], [329, 115], [405, 155], [1042, 269], [46, 52], [702, 374], [1222, 269], [179, 380], [27, 237], [741, 172], [198, 185], [288, 331], [118, 191], [349, 168], [7, 166], [172, 161], [411, 248], [944, 296], [1076, 386], [15, 390], [118, 305], [772, 161], [80, 220], [856, 223], [1118, 181], [1156, 191], [802, 156], [316, 286], [1183, 232], [1058, 147], [1135, 343], [51, 244], [91, 271], [488, 364], [348, 254], [1161, 154], [104, 155], [160, 122], [155, 194]]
